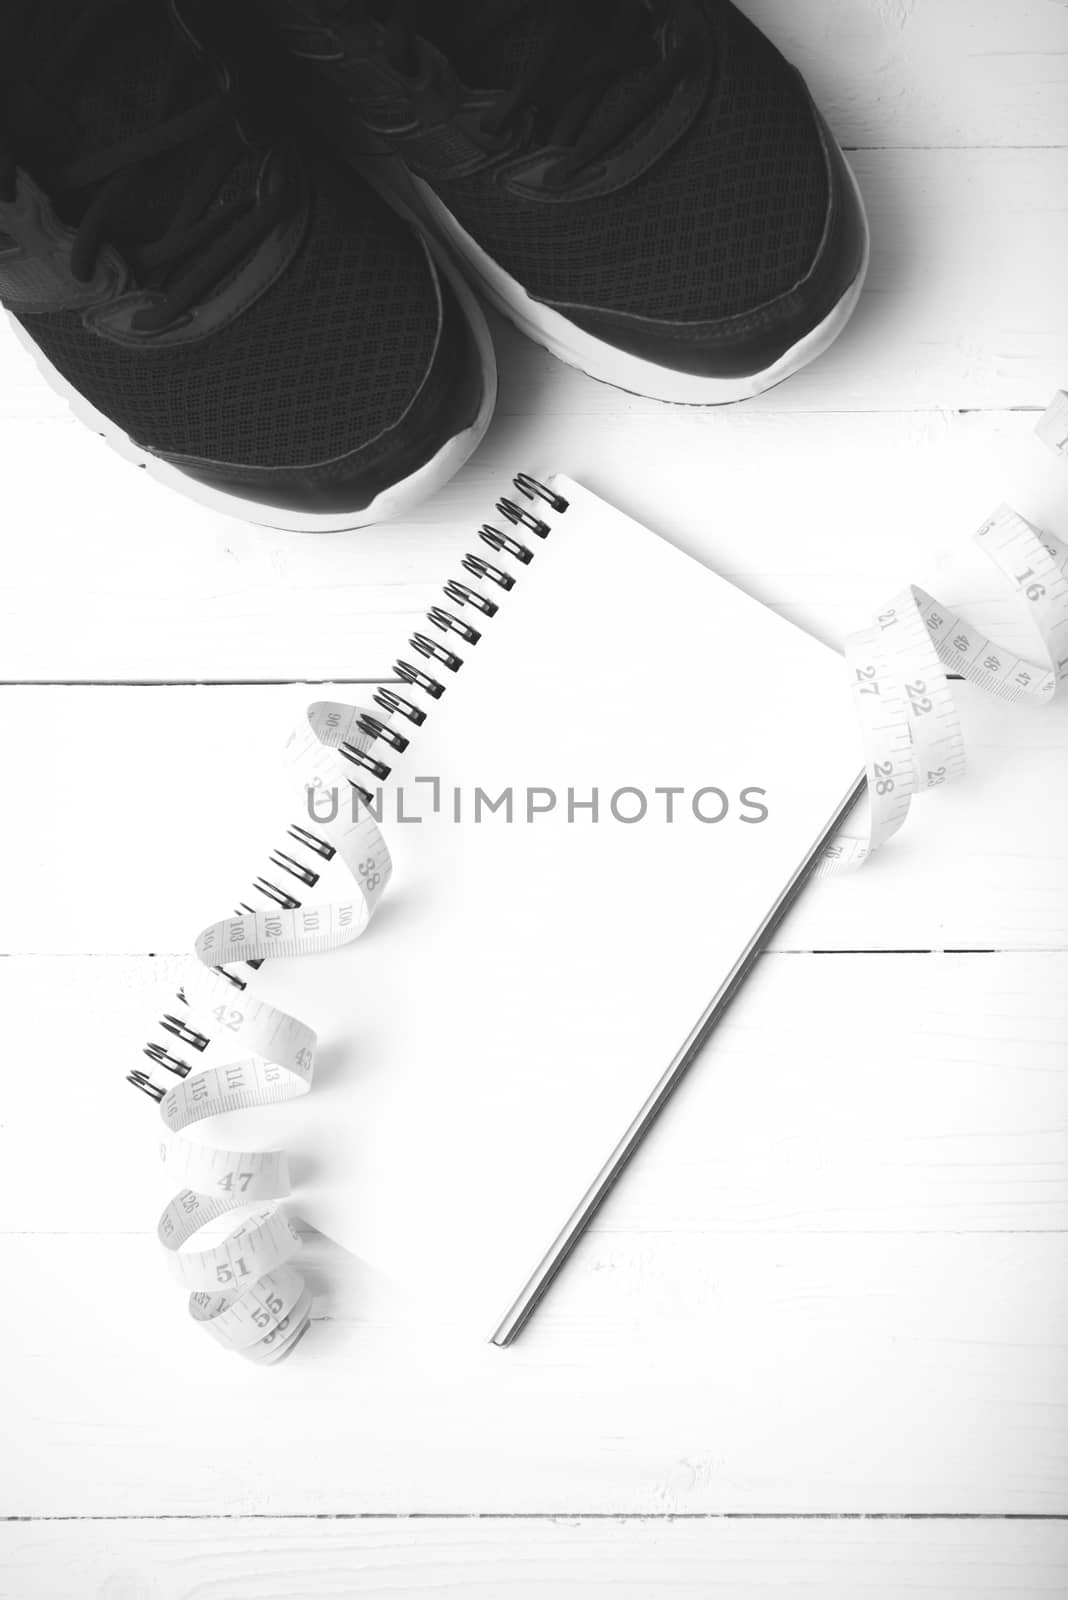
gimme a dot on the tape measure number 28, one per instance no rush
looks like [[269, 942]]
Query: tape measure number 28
[[898, 669]]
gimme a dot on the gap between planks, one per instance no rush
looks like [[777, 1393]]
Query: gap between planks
[[192, 683], [881, 149], [225, 683], [827, 950], [558, 1516]]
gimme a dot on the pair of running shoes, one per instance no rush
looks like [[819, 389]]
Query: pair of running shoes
[[249, 239]]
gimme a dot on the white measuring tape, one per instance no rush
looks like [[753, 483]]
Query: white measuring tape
[[229, 1051], [898, 669]]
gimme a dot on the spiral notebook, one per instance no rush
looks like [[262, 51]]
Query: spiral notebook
[[602, 774]]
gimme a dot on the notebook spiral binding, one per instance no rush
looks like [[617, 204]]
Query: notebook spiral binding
[[159, 1054], [455, 627]]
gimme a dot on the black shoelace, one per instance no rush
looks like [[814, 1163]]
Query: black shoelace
[[202, 238], [585, 50]]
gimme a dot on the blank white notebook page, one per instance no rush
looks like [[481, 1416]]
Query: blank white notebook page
[[526, 982]]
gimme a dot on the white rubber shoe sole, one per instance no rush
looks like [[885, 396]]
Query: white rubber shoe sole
[[572, 344], [393, 502]]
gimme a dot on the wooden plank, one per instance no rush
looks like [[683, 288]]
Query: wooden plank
[[822, 517], [151, 810], [937, 72], [815, 1245], [864, 1095], [287, 1559], [672, 1373]]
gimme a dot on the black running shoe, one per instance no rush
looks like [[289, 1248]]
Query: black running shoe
[[643, 186], [255, 329]]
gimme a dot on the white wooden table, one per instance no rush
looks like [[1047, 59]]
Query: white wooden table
[[818, 1341]]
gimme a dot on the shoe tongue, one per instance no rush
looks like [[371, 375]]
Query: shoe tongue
[[130, 76], [491, 43], [486, 52]]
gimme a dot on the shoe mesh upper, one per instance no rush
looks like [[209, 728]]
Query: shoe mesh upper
[[326, 359]]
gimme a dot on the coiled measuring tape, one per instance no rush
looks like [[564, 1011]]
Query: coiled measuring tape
[[230, 1051], [898, 669]]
